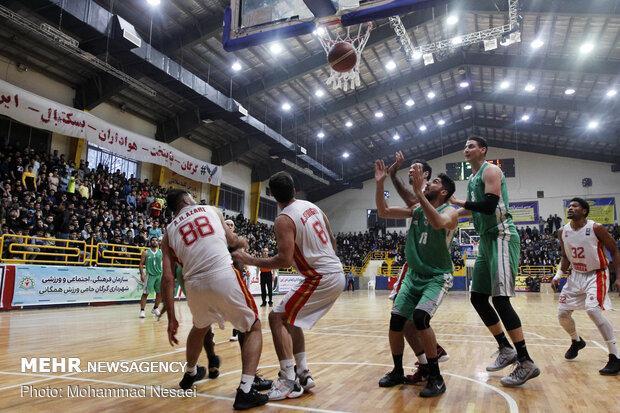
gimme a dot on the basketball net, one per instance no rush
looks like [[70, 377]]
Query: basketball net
[[357, 39]]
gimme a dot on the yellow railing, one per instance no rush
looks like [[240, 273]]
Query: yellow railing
[[536, 270], [24, 249]]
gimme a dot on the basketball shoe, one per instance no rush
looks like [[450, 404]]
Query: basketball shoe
[[214, 367], [250, 399], [391, 379], [261, 384], [155, 312], [435, 386], [574, 348], [188, 380], [612, 367], [505, 357], [523, 371], [420, 375], [305, 379], [284, 388], [142, 315]]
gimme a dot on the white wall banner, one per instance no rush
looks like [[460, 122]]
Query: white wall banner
[[42, 113]]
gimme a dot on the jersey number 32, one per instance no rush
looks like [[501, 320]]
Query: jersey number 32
[[198, 228]]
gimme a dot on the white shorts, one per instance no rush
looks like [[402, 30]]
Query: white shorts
[[219, 297], [311, 299], [585, 290]]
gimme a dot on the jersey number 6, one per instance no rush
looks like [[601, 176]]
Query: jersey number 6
[[193, 230]]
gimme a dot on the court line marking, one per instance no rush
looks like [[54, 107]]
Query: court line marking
[[512, 404], [600, 346], [210, 396], [445, 334]]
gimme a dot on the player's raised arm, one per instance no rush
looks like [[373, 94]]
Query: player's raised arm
[[167, 289], [284, 229], [383, 210], [405, 194], [438, 220], [610, 244]]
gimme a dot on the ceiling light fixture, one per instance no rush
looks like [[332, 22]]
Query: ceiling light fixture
[[611, 93], [586, 48], [154, 3], [441, 122], [320, 135], [464, 84], [319, 93], [504, 85], [286, 106], [423, 128], [431, 95], [529, 87], [593, 124], [345, 155], [569, 91], [378, 114], [525, 118], [390, 65], [467, 107], [452, 19], [276, 48], [410, 102], [348, 124], [537, 44], [236, 66], [396, 136]]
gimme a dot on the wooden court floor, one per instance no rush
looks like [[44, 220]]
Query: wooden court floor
[[348, 353]]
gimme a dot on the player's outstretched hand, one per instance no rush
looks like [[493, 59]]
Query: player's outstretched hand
[[555, 283], [399, 158], [173, 326], [417, 177], [456, 201], [380, 171]]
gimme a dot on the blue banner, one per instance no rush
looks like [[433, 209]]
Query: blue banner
[[524, 213], [49, 285]]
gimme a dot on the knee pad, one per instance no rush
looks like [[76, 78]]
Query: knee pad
[[421, 319], [397, 322], [506, 312], [484, 309]]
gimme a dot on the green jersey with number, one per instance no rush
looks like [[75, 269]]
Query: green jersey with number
[[153, 262], [498, 223], [428, 249]]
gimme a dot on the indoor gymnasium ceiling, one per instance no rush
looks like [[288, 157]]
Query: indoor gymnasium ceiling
[[569, 109]]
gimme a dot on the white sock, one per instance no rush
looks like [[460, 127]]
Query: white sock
[[287, 367], [191, 370], [300, 360], [605, 328], [246, 383], [422, 358]]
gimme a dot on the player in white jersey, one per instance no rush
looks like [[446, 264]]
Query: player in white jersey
[[198, 239], [305, 239], [581, 242]]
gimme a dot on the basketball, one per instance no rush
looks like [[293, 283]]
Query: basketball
[[342, 57]]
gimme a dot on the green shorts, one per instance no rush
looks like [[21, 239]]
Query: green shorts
[[152, 284], [422, 293], [497, 265]]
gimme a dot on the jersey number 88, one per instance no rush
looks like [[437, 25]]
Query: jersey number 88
[[199, 228]]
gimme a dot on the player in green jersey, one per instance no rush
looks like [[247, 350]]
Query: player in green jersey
[[430, 267], [151, 261], [497, 263]]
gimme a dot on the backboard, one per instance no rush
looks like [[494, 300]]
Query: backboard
[[252, 22]]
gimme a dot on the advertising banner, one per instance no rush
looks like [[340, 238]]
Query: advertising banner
[[286, 282], [602, 210], [524, 213], [49, 285], [42, 113]]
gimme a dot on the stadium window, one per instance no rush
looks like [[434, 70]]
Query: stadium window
[[97, 155], [267, 209], [231, 198], [373, 221]]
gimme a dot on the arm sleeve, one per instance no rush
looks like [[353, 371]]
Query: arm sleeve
[[486, 206]]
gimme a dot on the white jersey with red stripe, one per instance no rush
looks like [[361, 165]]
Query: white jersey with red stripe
[[314, 254], [197, 237], [583, 248]]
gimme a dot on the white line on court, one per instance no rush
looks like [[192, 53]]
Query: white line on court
[[512, 404], [600, 346]]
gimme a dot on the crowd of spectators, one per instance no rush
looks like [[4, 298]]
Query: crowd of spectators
[[47, 196]]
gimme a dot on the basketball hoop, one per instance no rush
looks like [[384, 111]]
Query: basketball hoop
[[355, 39]]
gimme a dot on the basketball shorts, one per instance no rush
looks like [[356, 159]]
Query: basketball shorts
[[219, 297], [585, 290], [497, 265], [311, 299], [421, 293], [152, 284]]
